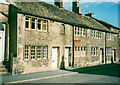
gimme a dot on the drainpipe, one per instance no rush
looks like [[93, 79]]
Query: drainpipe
[[105, 48], [73, 46]]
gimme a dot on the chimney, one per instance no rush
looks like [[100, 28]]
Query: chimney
[[89, 14], [76, 7], [59, 3]]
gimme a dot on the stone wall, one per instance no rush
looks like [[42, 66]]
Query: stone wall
[[53, 38]]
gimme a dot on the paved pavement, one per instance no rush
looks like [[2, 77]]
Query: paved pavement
[[47, 74], [94, 74]]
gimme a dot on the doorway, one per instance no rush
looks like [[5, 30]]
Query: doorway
[[1, 46], [67, 57], [114, 54], [101, 55], [54, 58]]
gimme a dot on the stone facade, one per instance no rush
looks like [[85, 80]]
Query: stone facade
[[54, 37], [101, 44], [92, 50]]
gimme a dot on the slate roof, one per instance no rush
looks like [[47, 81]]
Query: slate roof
[[49, 11], [106, 24]]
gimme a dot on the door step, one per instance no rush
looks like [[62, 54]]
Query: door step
[[3, 70]]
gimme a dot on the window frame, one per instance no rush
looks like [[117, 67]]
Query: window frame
[[46, 52], [45, 24], [92, 51], [75, 32], [40, 24], [78, 31], [39, 52], [84, 32], [28, 22], [32, 52], [28, 52], [94, 33]]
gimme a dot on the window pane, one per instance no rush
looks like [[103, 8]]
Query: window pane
[[39, 24], [94, 52], [44, 25], [81, 31], [26, 22], [94, 33], [39, 52], [27, 18], [97, 51], [78, 31], [26, 52], [32, 52], [78, 48], [44, 52], [32, 23], [75, 31], [84, 32], [75, 48], [81, 48]]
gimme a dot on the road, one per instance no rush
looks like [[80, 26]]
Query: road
[[97, 74]]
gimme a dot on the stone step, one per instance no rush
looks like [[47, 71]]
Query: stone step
[[2, 66], [3, 70], [3, 73]]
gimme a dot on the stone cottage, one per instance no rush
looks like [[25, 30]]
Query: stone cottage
[[42, 36], [3, 36]]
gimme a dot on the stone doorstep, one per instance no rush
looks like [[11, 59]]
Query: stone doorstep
[[3, 73], [48, 77], [3, 69], [2, 66]]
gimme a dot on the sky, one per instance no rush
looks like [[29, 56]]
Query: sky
[[105, 10]]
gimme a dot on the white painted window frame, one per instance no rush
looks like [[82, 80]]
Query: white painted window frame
[[37, 53], [28, 22], [84, 32], [45, 24], [28, 53], [78, 31], [75, 28], [40, 24], [46, 52], [76, 51], [33, 22], [31, 52]]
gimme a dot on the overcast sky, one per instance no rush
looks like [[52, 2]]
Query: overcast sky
[[105, 10]]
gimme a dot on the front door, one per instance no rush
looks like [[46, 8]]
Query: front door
[[54, 58], [101, 56], [1, 47], [66, 57], [114, 54]]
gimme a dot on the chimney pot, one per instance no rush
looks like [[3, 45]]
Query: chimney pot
[[76, 7], [59, 3], [89, 14]]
